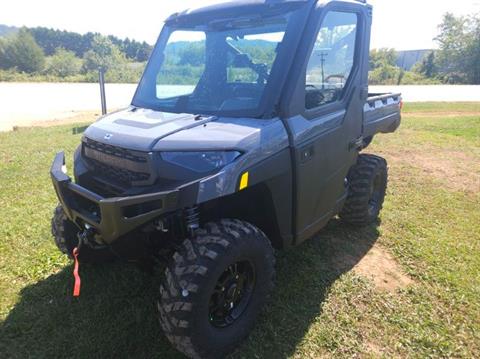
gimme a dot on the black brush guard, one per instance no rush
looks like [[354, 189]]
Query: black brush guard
[[115, 217]]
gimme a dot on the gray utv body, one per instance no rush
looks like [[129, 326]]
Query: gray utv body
[[289, 174]]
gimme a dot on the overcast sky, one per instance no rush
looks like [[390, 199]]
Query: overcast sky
[[401, 24]]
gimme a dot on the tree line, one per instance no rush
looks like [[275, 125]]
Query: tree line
[[44, 54], [39, 53], [50, 40]]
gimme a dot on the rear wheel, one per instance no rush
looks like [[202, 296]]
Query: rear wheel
[[367, 186], [214, 288], [65, 234]]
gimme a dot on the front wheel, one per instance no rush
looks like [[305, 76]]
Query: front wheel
[[215, 286]]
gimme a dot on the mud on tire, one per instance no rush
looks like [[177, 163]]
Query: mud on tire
[[65, 233], [190, 304], [367, 186]]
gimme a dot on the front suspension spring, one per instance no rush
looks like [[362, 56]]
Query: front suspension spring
[[192, 219]]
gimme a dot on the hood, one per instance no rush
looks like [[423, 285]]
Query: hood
[[140, 129], [148, 130]]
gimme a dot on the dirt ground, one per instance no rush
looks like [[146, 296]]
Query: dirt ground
[[380, 266], [67, 118], [455, 169]]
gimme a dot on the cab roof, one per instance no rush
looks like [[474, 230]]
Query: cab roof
[[235, 9]]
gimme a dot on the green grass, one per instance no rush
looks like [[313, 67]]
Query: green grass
[[419, 107], [320, 306]]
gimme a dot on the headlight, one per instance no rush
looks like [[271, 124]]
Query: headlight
[[201, 162]]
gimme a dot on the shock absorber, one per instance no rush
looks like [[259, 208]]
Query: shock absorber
[[192, 219]]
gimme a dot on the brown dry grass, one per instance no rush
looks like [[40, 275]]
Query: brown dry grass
[[453, 168], [441, 114]]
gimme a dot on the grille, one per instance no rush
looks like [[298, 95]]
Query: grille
[[117, 164], [121, 175], [115, 151]]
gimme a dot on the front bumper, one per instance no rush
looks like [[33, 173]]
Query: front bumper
[[115, 217]]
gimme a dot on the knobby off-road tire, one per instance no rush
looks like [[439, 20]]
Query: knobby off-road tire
[[367, 186], [196, 281], [65, 233]]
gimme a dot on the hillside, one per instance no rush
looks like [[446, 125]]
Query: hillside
[[6, 30], [51, 39]]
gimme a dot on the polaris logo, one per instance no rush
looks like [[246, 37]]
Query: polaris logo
[[108, 136]]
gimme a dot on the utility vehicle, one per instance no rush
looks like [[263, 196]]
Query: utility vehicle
[[244, 136]]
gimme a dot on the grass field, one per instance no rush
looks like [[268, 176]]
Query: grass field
[[409, 287]]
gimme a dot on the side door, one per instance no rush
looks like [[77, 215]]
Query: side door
[[335, 83]]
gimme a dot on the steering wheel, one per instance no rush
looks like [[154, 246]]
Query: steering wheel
[[317, 96]]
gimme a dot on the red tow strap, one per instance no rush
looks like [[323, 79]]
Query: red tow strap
[[78, 281]]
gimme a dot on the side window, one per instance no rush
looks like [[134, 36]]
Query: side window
[[331, 61]]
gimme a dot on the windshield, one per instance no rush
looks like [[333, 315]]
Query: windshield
[[223, 67]]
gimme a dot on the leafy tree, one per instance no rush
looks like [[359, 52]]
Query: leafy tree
[[50, 40], [134, 50], [383, 68], [63, 63], [384, 75], [143, 52], [427, 67], [104, 54], [458, 58], [382, 57], [22, 52], [473, 49]]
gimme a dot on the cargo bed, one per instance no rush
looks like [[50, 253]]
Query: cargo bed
[[381, 113]]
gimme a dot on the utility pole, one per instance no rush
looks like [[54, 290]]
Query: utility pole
[[323, 58]]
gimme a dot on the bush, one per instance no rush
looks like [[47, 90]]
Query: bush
[[414, 78], [384, 75], [125, 73], [63, 63], [11, 75]]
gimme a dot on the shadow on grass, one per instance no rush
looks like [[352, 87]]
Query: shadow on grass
[[116, 316]]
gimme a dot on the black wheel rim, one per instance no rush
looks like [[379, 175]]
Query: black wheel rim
[[376, 193], [232, 294]]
